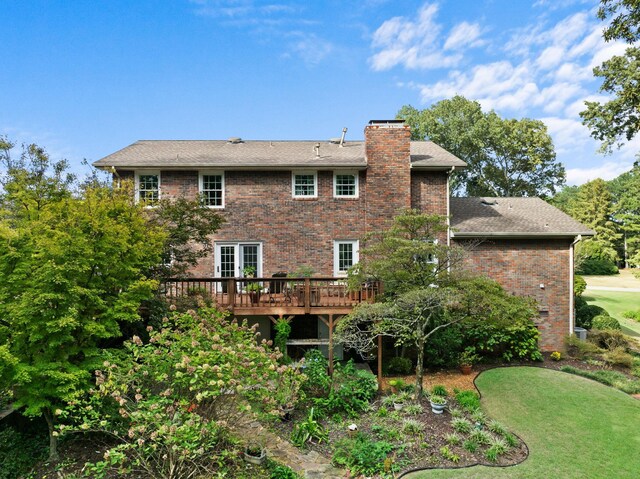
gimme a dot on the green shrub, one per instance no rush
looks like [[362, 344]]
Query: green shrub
[[317, 372], [608, 338], [362, 455], [618, 357], [468, 400], [596, 266], [579, 285], [461, 424], [449, 455], [635, 315], [470, 445], [412, 426], [19, 451], [444, 347], [580, 349], [400, 365], [586, 312], [515, 341], [283, 330], [603, 321], [280, 471], [610, 378], [350, 391]]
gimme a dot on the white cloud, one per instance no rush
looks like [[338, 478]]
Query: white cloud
[[607, 171], [417, 44], [310, 48], [462, 35]]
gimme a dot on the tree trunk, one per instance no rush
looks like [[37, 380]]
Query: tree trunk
[[53, 440], [419, 369]]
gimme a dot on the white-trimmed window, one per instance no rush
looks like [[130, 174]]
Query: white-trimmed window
[[304, 184], [211, 185], [345, 255], [345, 184], [148, 187]]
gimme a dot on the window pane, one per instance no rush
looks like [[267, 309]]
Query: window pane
[[304, 185], [212, 190], [345, 256], [148, 188], [345, 185]]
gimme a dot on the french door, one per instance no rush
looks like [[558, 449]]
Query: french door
[[232, 258]]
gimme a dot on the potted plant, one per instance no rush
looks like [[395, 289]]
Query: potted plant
[[288, 392], [399, 400], [396, 385], [438, 403], [466, 361], [255, 453], [254, 289]]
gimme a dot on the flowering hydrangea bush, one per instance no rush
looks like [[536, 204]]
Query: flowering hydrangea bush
[[171, 400]]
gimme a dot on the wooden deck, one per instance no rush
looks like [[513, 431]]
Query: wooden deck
[[274, 296]]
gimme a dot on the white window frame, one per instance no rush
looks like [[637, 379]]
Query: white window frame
[[355, 174], [137, 175], [202, 174], [336, 255], [306, 173]]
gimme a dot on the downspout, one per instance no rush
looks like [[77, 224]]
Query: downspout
[[571, 279], [449, 207]]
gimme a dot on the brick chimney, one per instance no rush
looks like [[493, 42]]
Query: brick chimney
[[387, 150]]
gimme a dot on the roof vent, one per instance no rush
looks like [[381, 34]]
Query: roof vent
[[489, 202], [235, 140]]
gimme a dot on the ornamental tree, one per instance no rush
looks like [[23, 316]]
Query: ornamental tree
[[73, 268], [170, 401]]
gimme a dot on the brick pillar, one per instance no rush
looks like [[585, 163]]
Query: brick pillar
[[387, 146]]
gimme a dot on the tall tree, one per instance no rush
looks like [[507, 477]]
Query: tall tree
[[505, 157], [617, 120], [625, 191], [593, 207]]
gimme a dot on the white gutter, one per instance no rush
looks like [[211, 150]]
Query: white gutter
[[571, 279], [449, 206]]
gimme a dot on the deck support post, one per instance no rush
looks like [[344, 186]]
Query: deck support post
[[331, 344], [379, 363]]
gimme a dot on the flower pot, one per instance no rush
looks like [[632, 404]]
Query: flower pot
[[255, 297], [398, 406], [465, 368], [438, 408], [251, 458]]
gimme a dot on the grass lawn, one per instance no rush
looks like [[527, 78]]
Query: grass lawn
[[625, 279], [574, 427], [616, 303]]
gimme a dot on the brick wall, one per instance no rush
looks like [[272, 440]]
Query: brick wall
[[387, 149], [521, 266], [294, 232], [429, 194]]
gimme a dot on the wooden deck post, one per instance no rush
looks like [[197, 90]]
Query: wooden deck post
[[307, 295], [379, 363], [231, 292], [331, 344]]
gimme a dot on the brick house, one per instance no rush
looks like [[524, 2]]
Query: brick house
[[293, 204]]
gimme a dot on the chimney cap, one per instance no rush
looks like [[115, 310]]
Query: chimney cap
[[386, 122]]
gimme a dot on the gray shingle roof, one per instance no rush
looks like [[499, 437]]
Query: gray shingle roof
[[181, 154], [524, 217]]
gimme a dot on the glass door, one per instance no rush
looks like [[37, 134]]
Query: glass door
[[232, 258]]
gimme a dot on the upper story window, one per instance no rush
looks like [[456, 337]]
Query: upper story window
[[148, 187], [345, 184], [212, 188], [305, 184], [345, 255]]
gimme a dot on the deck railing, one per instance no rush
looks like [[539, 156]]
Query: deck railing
[[275, 292]]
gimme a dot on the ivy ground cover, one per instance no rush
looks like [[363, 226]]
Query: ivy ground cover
[[574, 427]]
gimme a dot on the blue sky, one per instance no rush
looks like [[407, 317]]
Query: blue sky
[[86, 78]]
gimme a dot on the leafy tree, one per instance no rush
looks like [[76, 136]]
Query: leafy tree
[[408, 255], [625, 191], [410, 320], [72, 269], [593, 207], [505, 157], [618, 119]]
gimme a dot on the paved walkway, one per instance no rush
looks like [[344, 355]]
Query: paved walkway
[[308, 464], [612, 288]]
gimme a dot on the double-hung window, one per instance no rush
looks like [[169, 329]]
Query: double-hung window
[[304, 184], [345, 255], [148, 187], [212, 188], [345, 184]]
